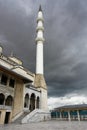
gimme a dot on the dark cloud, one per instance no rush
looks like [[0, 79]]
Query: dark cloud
[[67, 36], [65, 49]]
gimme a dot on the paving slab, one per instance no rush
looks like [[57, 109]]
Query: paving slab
[[48, 125]]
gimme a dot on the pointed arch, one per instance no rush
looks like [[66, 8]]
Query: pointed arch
[[9, 101], [32, 102], [26, 100]]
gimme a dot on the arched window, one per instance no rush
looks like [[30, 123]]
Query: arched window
[[32, 102], [26, 101], [2, 98], [9, 101]]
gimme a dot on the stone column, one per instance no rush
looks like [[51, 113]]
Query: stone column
[[4, 101], [78, 116], [69, 118], [29, 103], [60, 115], [24, 102], [39, 104]]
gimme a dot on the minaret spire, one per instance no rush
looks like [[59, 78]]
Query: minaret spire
[[40, 9]]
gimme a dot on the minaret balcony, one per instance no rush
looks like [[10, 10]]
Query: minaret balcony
[[39, 39], [39, 28], [40, 19]]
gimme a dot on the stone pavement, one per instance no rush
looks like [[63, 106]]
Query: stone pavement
[[48, 125]]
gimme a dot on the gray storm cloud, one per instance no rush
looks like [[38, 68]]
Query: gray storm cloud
[[65, 49]]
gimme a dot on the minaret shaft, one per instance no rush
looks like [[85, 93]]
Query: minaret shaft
[[39, 58], [39, 43]]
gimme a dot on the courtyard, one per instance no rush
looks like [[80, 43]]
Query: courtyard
[[48, 125]]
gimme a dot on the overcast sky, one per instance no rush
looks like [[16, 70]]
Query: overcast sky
[[65, 48]]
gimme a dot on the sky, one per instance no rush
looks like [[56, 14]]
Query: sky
[[65, 47]]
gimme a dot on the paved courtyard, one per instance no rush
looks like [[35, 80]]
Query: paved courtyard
[[49, 125]]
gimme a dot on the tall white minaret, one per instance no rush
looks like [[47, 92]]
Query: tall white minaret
[[39, 43], [39, 81]]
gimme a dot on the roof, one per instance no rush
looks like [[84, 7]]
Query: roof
[[15, 69], [72, 106]]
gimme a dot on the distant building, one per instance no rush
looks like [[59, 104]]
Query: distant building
[[23, 94], [70, 112]]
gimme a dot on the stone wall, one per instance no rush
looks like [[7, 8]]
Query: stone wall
[[43, 99], [18, 98], [2, 116]]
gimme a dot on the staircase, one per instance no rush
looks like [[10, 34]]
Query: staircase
[[18, 120], [36, 116]]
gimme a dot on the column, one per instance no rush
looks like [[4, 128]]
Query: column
[[69, 116], [39, 104], [35, 103], [60, 115], [4, 101], [78, 116], [29, 104]]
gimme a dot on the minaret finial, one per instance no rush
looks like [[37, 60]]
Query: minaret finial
[[40, 9]]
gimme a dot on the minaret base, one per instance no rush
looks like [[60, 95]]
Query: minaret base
[[40, 84], [39, 81]]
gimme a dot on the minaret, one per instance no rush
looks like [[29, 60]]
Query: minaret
[[39, 43], [39, 77]]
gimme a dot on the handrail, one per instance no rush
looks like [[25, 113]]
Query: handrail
[[33, 113]]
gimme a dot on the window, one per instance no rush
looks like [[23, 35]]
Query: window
[[11, 82], [2, 98], [4, 79]]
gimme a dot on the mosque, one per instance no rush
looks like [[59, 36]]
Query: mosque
[[23, 94]]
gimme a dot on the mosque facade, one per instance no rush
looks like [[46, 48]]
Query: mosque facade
[[23, 94]]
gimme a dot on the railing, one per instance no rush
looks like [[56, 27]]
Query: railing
[[5, 107], [36, 116], [25, 119], [26, 109], [5, 88]]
